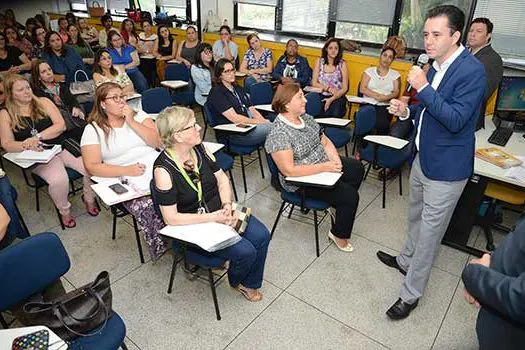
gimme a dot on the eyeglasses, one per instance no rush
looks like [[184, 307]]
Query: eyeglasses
[[207, 52], [225, 33], [116, 98], [194, 126], [228, 71]]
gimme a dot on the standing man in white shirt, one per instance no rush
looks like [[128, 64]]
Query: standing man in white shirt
[[443, 149]]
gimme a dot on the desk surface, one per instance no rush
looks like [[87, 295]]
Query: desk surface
[[388, 141], [174, 84], [324, 179], [234, 128], [515, 146], [340, 122], [266, 108], [8, 335], [24, 164]]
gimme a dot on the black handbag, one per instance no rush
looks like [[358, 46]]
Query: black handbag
[[82, 312]]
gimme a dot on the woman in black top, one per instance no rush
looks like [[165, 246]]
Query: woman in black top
[[25, 124], [11, 58], [44, 85], [230, 104], [190, 188], [164, 49]]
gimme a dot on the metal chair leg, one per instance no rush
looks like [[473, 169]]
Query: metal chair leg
[[260, 162], [384, 187], [172, 275], [291, 211], [400, 181], [346, 150], [60, 219], [123, 346], [233, 185], [316, 234], [114, 232], [137, 236], [243, 174], [277, 218], [214, 294], [21, 219], [37, 192], [3, 322]]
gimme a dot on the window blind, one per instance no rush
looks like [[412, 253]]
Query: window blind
[[171, 3], [257, 2], [378, 12], [508, 17], [305, 16]]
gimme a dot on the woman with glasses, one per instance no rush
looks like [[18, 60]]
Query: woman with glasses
[[202, 71], [257, 62], [25, 124], [11, 58], [114, 139], [127, 57], [191, 188], [39, 41], [104, 71], [187, 50], [330, 75], [64, 60], [230, 103], [225, 47]]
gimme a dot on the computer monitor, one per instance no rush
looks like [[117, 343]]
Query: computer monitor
[[510, 103]]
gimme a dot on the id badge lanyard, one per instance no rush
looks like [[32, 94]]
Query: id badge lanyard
[[234, 92], [197, 188]]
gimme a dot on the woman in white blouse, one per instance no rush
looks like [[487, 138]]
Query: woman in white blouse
[[381, 84]]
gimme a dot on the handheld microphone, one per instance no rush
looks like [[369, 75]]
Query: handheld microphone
[[421, 61]]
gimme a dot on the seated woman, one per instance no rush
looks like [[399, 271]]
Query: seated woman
[[39, 42], [228, 100], [88, 33], [225, 47], [297, 150], [127, 57], [180, 200], [257, 62], [44, 85], [11, 58], [14, 39], [104, 71], [330, 74], [111, 144], [164, 49], [202, 71], [11, 226], [64, 61], [62, 29], [381, 84], [26, 123], [79, 45], [186, 52], [145, 47], [129, 33]]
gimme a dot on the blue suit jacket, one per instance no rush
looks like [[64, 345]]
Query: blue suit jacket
[[500, 290], [446, 142]]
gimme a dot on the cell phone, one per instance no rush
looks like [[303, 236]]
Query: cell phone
[[46, 146], [118, 188], [244, 126], [35, 340]]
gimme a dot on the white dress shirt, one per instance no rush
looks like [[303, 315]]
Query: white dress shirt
[[440, 73]]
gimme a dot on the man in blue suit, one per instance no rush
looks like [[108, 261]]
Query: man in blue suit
[[497, 284], [443, 155]]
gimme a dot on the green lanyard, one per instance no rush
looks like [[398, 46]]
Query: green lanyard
[[197, 188]]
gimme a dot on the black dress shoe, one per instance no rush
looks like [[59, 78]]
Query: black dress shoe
[[400, 309], [390, 261]]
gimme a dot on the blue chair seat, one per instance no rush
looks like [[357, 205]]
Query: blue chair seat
[[310, 203], [387, 157], [338, 136], [111, 337], [199, 257]]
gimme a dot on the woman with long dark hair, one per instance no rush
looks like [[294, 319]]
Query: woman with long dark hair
[[202, 72], [104, 71], [11, 58], [16, 40], [164, 49], [330, 75], [79, 45], [39, 41]]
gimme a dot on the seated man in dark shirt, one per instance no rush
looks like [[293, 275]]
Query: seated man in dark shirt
[[292, 68]]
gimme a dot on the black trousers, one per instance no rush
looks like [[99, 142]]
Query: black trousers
[[383, 119], [344, 196]]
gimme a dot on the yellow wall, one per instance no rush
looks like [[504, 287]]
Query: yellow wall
[[356, 63]]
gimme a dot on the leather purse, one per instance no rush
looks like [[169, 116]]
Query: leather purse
[[82, 312]]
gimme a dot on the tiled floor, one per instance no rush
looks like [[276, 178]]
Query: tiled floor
[[336, 301]]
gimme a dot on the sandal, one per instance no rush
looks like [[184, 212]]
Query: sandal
[[254, 297], [93, 211], [69, 223]]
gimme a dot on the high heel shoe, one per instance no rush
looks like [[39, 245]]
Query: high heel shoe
[[69, 222], [347, 248], [93, 211]]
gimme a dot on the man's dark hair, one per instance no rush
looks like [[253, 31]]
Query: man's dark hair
[[105, 18], [456, 18], [486, 22]]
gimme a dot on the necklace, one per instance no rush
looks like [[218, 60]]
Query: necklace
[[33, 131]]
